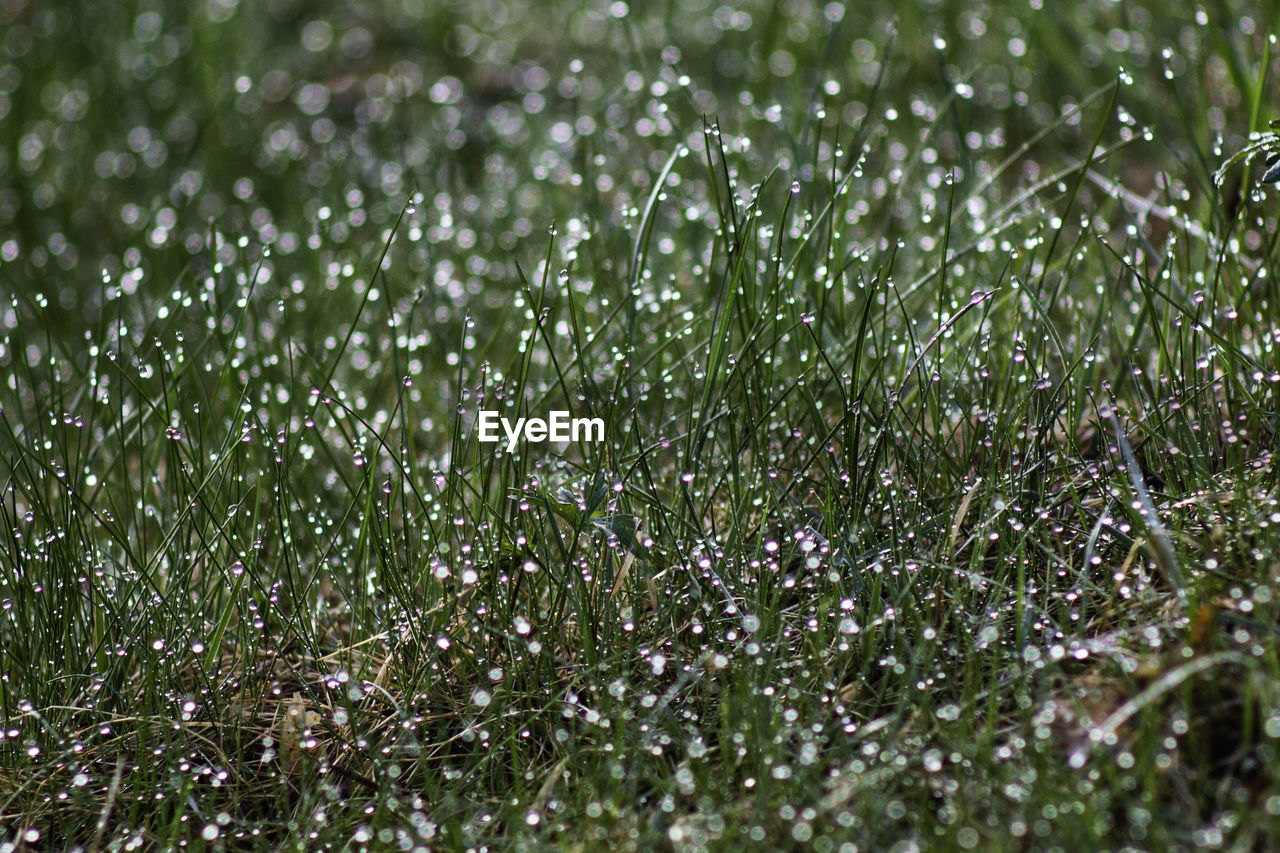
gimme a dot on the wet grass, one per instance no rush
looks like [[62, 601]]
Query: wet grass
[[937, 505]]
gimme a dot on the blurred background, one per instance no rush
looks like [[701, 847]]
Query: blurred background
[[172, 128]]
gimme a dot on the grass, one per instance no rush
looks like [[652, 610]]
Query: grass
[[937, 506]]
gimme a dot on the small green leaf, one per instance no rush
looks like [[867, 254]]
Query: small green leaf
[[623, 526], [564, 504]]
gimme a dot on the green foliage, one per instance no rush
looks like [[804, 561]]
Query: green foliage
[[936, 350]]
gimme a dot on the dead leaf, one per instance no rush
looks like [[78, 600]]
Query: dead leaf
[[295, 734]]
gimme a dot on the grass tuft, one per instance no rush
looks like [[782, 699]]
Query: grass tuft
[[937, 503]]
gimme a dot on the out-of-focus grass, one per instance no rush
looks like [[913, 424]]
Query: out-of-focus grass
[[937, 503]]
